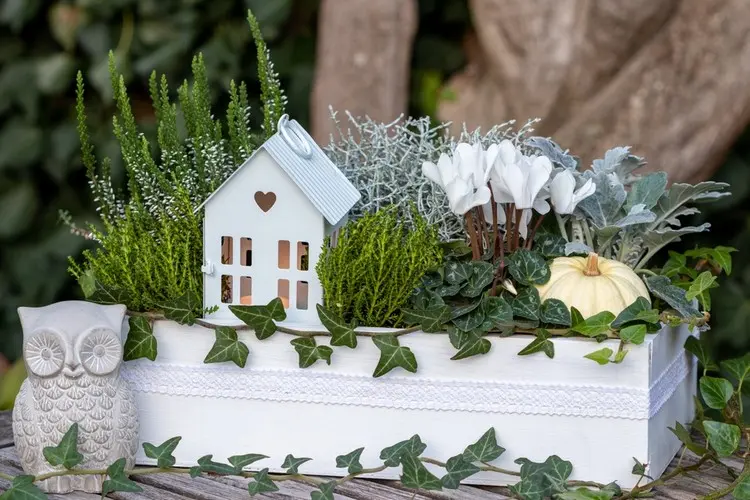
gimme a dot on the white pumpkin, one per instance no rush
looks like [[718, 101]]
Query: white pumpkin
[[593, 284]]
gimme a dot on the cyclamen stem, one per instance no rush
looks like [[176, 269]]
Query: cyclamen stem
[[475, 253], [532, 233]]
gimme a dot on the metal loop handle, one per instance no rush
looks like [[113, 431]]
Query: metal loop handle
[[294, 139]]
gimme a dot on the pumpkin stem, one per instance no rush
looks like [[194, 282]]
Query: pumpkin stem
[[592, 265]]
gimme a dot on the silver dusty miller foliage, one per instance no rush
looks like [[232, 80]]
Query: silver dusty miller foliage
[[384, 161]]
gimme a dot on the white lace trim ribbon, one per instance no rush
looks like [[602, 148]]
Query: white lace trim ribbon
[[407, 393]]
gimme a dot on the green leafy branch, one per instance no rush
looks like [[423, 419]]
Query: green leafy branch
[[536, 480]]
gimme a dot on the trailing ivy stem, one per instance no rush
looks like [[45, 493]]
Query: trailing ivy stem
[[351, 476], [716, 495], [5, 476], [472, 236], [280, 328], [637, 490]]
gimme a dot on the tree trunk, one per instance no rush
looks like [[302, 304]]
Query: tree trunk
[[363, 60], [668, 77]]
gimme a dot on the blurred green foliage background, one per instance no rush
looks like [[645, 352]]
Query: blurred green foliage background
[[43, 44]]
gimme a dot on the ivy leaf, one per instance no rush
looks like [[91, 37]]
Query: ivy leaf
[[684, 436], [639, 468], [107, 296], [182, 309], [457, 469], [497, 310], [325, 491], [702, 283], [87, 282], [742, 490], [291, 463], [391, 455], [415, 474], [141, 342], [716, 392], [429, 320], [576, 318], [722, 256], [118, 481], [261, 318], [724, 438], [66, 452], [527, 303], [539, 480], [485, 449], [227, 347], [620, 356], [239, 462], [393, 355], [528, 267], [471, 320], [550, 245], [541, 343], [470, 344], [447, 290], [261, 484], [555, 312], [601, 356], [205, 464], [662, 287], [739, 368], [595, 325], [634, 334], [309, 352], [633, 313], [23, 488], [482, 274], [163, 452], [457, 273], [695, 347], [350, 461], [458, 311], [342, 334]]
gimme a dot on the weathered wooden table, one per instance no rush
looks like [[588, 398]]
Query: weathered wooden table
[[178, 486]]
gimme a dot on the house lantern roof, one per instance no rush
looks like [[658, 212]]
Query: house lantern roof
[[307, 165]]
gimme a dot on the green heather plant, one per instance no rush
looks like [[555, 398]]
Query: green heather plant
[[150, 243], [378, 261]]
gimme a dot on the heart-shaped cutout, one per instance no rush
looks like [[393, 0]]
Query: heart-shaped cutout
[[265, 200]]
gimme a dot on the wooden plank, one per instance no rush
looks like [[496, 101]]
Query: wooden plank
[[287, 489], [6, 429]]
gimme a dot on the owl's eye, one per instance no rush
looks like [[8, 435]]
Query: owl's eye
[[101, 352], [44, 354]]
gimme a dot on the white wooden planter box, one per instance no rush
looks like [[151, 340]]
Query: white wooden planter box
[[598, 417]]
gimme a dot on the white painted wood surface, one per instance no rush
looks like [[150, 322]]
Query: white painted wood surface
[[273, 407]]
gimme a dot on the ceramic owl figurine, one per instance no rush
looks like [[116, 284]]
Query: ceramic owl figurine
[[73, 352]]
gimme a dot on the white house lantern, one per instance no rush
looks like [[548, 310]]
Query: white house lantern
[[264, 227]]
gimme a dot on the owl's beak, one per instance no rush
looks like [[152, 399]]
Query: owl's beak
[[72, 370]]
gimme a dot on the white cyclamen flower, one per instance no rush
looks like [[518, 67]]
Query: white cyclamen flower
[[517, 178], [463, 177], [563, 192]]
